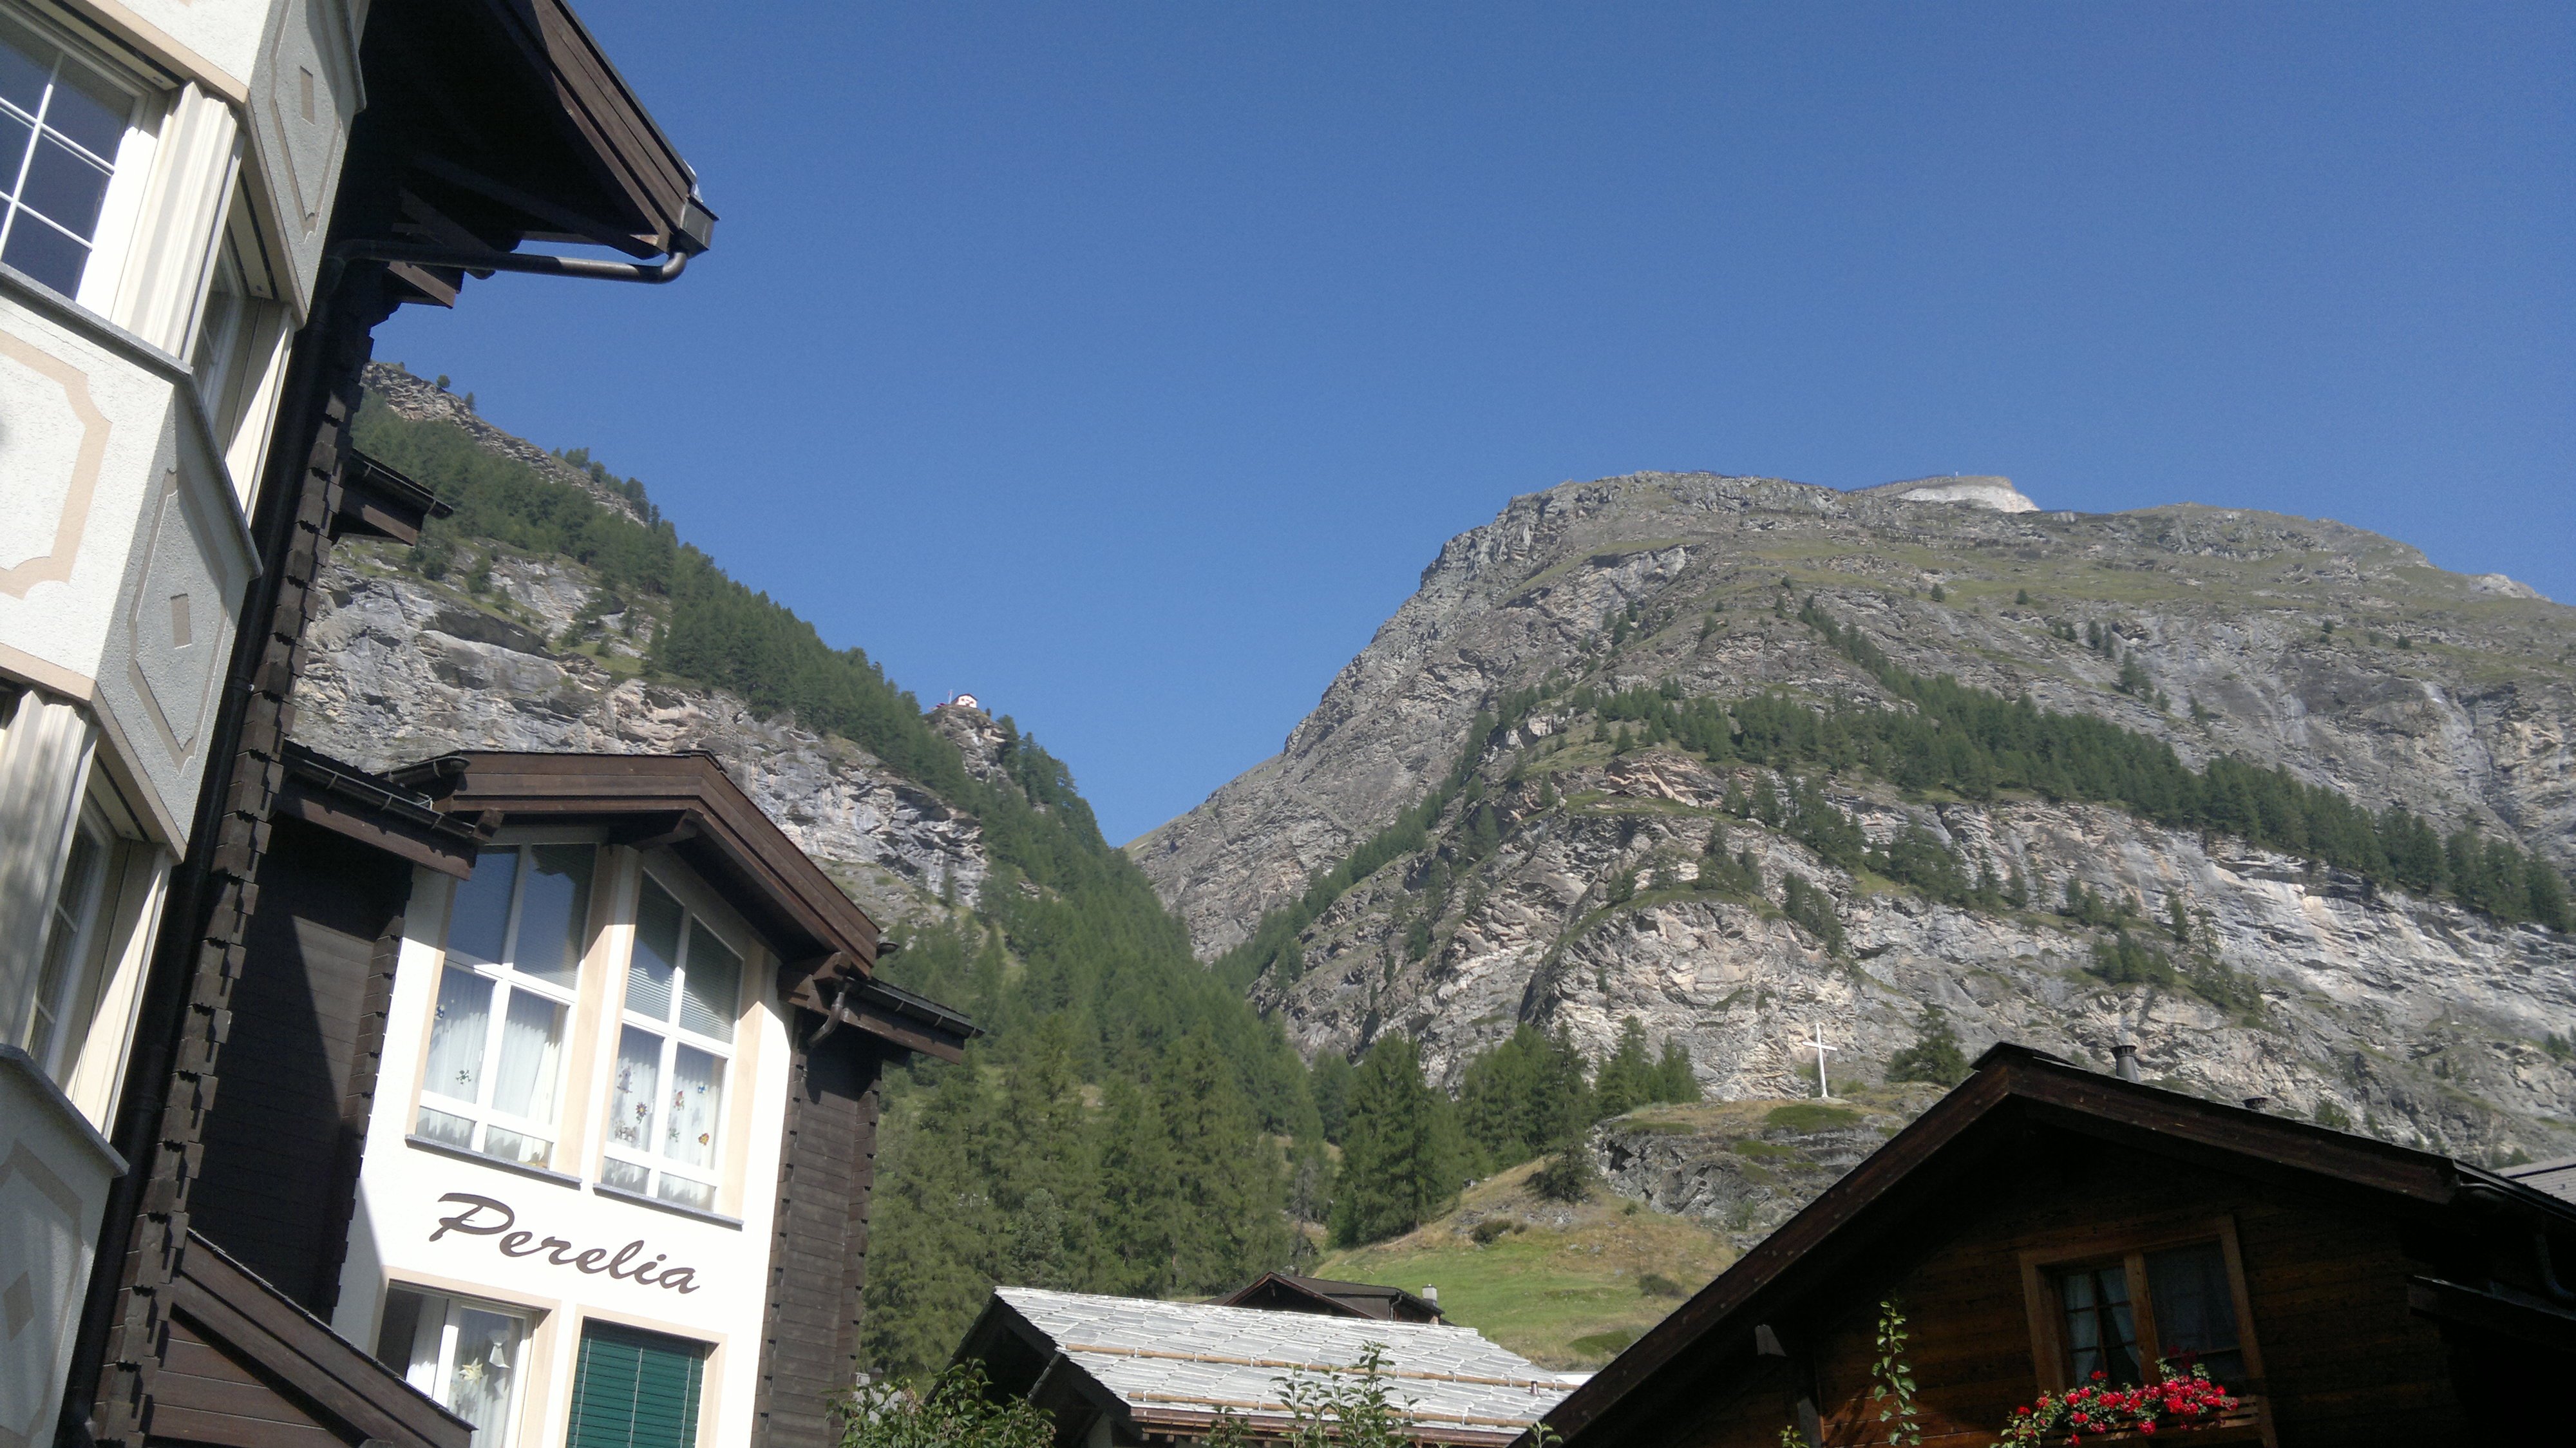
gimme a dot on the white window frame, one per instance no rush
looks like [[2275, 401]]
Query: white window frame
[[660, 1171], [434, 1371], [80, 918], [507, 980], [129, 170], [238, 343]]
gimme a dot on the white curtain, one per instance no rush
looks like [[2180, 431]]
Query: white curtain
[[485, 1369], [630, 1102], [457, 1033], [531, 1040], [697, 1104]]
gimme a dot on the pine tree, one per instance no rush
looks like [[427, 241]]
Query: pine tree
[[1935, 1055], [1140, 1202], [1231, 1181], [932, 1213], [1626, 1080], [1401, 1163], [1675, 1081], [1329, 1082]]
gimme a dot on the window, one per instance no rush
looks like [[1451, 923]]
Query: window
[[2137, 1311], [514, 940], [463, 1353], [635, 1390], [674, 1040], [74, 938], [239, 350], [61, 125]]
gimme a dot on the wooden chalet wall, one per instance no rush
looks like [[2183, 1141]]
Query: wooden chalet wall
[[818, 1257], [283, 1141], [2326, 1284]]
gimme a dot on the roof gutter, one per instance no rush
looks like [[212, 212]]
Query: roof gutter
[[539, 263]]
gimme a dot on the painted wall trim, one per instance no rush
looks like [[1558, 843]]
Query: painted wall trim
[[161, 47], [14, 1060]]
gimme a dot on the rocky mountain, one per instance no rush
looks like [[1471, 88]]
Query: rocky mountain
[[1575, 875], [530, 650]]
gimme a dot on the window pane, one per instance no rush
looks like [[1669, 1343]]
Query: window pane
[[697, 1101], [639, 1078], [486, 1367], [481, 917], [2195, 1310], [531, 1042], [402, 1323], [518, 1146], [447, 1130], [14, 135], [626, 1176], [2100, 1337], [22, 75], [657, 953], [556, 913], [89, 110], [45, 254], [456, 1035], [75, 907], [67, 188], [687, 1193], [710, 990]]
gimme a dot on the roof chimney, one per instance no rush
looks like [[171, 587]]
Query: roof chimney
[[2124, 1060], [1431, 1294]]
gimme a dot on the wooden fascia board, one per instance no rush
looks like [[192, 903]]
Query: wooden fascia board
[[627, 151], [447, 856], [230, 1303], [910, 1035]]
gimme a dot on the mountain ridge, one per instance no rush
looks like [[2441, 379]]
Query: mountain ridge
[[1570, 876]]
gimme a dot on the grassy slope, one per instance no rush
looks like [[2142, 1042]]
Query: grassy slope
[[1563, 1290]]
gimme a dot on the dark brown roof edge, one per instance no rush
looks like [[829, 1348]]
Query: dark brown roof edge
[[374, 810], [2062, 1095], [686, 799]]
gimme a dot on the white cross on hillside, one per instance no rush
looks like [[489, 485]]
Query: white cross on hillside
[[1823, 1088]]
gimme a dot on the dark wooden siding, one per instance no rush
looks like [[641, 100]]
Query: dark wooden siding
[[2345, 1362], [283, 1139], [818, 1256]]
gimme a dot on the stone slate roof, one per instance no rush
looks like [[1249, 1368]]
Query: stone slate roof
[[2558, 1178], [1178, 1363]]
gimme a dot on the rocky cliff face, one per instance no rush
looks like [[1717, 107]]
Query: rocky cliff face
[[2335, 653], [404, 667]]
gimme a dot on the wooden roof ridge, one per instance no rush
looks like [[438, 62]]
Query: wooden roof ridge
[[2014, 1085], [1331, 1293]]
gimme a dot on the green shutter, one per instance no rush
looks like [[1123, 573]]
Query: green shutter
[[635, 1390]]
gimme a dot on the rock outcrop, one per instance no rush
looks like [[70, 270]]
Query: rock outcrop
[[404, 668], [2337, 654]]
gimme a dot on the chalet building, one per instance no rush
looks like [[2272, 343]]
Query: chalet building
[[1125, 1372], [1287, 1292], [552, 1092], [205, 208], [2043, 1223]]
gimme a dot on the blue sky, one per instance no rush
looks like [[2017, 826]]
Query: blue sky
[[1126, 363]]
